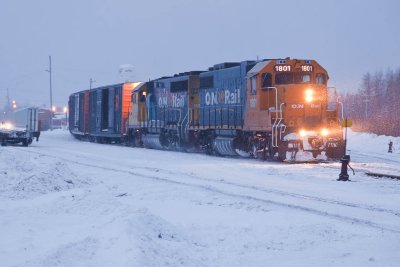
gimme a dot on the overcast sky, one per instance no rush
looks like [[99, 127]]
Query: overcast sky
[[92, 38]]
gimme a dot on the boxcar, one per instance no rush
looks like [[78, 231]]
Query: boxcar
[[78, 113], [109, 108]]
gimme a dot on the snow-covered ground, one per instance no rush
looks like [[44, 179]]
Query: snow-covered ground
[[69, 203]]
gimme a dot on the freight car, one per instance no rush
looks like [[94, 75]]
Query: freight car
[[275, 108], [101, 114], [78, 106]]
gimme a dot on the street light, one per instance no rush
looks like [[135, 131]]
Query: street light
[[66, 117]]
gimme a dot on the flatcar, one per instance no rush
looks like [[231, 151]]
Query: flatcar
[[272, 108]]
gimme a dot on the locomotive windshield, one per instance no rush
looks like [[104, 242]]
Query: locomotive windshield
[[284, 78], [298, 78]]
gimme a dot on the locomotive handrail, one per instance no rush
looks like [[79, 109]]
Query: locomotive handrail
[[276, 118], [277, 123], [341, 104], [280, 128], [273, 128], [276, 96]]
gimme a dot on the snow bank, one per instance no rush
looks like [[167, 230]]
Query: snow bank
[[372, 143], [28, 176]]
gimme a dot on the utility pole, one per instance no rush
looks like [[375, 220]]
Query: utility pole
[[366, 100], [91, 81], [8, 99], [51, 96]]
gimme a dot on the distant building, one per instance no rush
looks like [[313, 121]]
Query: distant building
[[44, 119], [59, 120]]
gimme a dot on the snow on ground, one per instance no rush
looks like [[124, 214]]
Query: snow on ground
[[64, 202], [370, 152]]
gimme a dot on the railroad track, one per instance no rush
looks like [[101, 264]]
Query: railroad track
[[310, 204]]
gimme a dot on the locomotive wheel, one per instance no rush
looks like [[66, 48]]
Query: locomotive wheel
[[209, 149], [282, 149], [253, 150], [269, 154], [131, 141], [281, 155]]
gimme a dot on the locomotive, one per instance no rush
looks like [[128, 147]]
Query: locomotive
[[270, 109]]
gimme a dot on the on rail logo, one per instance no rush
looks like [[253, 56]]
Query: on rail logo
[[222, 97]]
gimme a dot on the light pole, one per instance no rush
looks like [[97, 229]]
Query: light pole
[[66, 117], [52, 112]]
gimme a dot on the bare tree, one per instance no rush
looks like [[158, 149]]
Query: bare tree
[[376, 106]]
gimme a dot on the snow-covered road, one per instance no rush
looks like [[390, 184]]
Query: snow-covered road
[[69, 203]]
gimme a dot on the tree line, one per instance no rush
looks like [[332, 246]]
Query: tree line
[[375, 107]]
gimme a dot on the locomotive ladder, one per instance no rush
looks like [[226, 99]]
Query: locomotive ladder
[[182, 130], [185, 121], [278, 127]]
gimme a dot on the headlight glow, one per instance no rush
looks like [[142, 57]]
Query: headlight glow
[[324, 132], [309, 95], [302, 132], [6, 126]]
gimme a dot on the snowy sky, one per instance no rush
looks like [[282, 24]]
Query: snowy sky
[[92, 38]]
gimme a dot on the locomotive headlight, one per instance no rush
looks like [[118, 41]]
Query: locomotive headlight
[[302, 132], [324, 132], [309, 95]]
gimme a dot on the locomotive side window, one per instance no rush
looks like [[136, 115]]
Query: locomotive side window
[[142, 97], [320, 78], [253, 85], [266, 80], [302, 78], [179, 86], [284, 78]]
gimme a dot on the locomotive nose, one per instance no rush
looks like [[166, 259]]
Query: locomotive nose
[[315, 142]]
